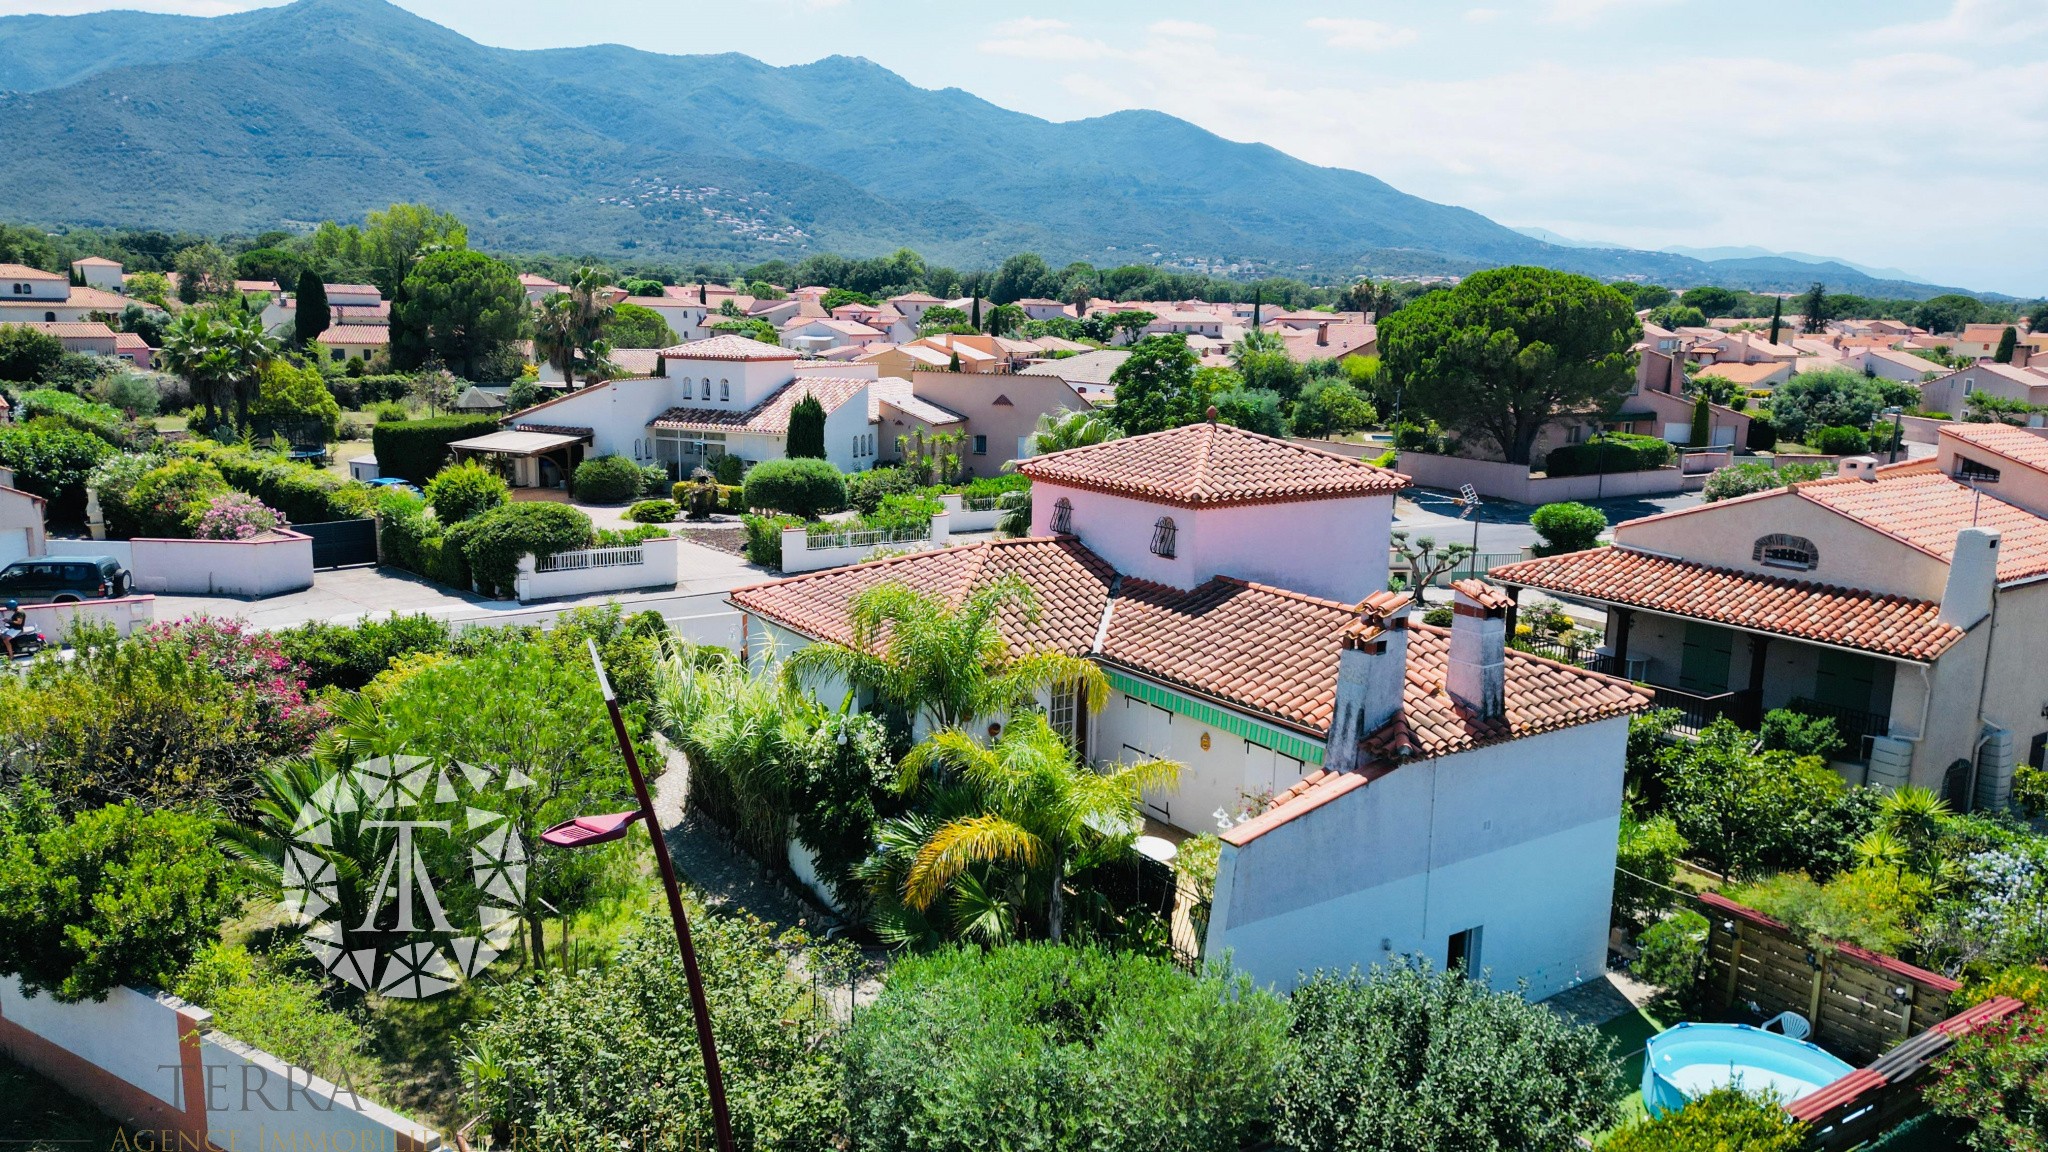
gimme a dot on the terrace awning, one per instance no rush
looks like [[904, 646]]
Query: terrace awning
[[515, 442]]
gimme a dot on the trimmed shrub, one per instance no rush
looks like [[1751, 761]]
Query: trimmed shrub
[[1762, 435], [417, 449], [865, 490], [1759, 476], [764, 538], [170, 499], [349, 656], [296, 400], [729, 470], [1614, 452], [464, 490], [1043, 1046], [608, 480], [493, 542], [1567, 527], [801, 488], [1839, 441], [115, 479], [1672, 953], [391, 412], [653, 512], [52, 460], [303, 493], [732, 498], [101, 420], [409, 539]]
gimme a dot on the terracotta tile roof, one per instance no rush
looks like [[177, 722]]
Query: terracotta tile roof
[[1542, 696], [1482, 593], [728, 347], [1743, 373], [353, 290], [366, 334], [896, 392], [915, 298], [1888, 625], [2015, 444], [771, 416], [1266, 650], [130, 342], [80, 330], [24, 272], [95, 262], [1070, 582], [1924, 509], [1212, 464], [97, 299]]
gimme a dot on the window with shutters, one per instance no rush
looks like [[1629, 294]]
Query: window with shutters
[[1163, 534], [1779, 550]]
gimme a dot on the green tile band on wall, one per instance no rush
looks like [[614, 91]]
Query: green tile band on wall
[[1285, 743]]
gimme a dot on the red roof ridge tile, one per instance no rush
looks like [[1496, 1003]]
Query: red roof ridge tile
[[1326, 787], [1486, 595]]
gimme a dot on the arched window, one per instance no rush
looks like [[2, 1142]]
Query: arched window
[[1062, 515], [1779, 550], [725, 390], [687, 390], [707, 388], [1163, 533]]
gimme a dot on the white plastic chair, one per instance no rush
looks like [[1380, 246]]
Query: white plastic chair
[[1791, 1024]]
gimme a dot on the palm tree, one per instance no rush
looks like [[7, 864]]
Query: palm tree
[[554, 334], [924, 658], [1062, 429], [221, 353], [1035, 812], [248, 350], [191, 350]]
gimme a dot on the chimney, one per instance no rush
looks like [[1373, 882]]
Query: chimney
[[1479, 640], [1372, 669], [1859, 467], [1323, 334], [1972, 578]]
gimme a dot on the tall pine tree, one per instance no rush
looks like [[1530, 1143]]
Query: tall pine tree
[[1777, 317], [313, 316], [806, 429]]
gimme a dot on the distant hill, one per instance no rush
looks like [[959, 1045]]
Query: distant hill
[[327, 108]]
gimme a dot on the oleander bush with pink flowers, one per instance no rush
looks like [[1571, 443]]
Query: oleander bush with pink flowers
[[236, 516]]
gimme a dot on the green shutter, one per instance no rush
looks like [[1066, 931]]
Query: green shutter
[[1286, 743]]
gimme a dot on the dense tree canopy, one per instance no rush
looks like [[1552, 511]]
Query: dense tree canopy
[[393, 240], [1508, 349], [1155, 386], [462, 308]]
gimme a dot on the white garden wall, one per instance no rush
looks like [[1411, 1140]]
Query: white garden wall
[[282, 562], [799, 556], [1498, 481], [968, 519], [648, 564], [126, 615], [152, 1062]]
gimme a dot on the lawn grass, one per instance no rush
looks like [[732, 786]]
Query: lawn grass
[[38, 1116], [1631, 1032]]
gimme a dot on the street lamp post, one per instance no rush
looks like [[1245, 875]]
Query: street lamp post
[[1470, 496], [589, 831]]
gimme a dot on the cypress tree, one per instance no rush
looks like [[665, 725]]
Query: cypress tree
[[313, 316], [806, 430], [1777, 317], [1258, 300], [1702, 426], [2007, 341], [953, 361], [975, 320]]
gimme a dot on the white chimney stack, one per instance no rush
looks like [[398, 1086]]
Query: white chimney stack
[[1972, 578], [1479, 641], [1859, 467], [1372, 670]]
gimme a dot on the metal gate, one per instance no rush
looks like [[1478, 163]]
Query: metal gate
[[340, 543]]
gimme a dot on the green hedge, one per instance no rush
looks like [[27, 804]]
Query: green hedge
[[416, 449], [351, 655], [101, 420], [305, 494], [608, 480], [411, 540], [764, 538], [493, 542], [802, 488], [363, 391], [1614, 452]]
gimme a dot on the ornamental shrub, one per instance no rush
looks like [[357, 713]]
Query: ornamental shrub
[[351, 655], [410, 539], [286, 1015], [1567, 527], [295, 400], [1646, 859], [114, 480], [801, 488], [493, 542], [608, 480], [1672, 953], [390, 412], [1723, 1120], [169, 500], [864, 490], [1839, 441], [415, 450], [1784, 730], [1405, 1057], [468, 489], [1996, 1078], [764, 538], [729, 470], [236, 516], [118, 896], [1612, 452], [1759, 476], [653, 512], [101, 420], [1045, 1046], [52, 460], [303, 493]]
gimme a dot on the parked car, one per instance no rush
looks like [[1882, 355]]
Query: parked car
[[63, 579]]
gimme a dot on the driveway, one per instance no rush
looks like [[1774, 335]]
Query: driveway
[[1504, 526]]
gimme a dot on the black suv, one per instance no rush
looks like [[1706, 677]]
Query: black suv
[[63, 579]]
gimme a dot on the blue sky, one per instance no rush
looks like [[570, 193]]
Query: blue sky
[[1894, 133]]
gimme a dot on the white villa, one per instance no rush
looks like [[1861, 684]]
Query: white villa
[[1381, 787], [722, 396]]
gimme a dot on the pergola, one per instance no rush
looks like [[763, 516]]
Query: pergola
[[527, 449]]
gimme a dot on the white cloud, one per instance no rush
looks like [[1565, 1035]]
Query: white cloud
[[1589, 11], [1481, 15], [1968, 23], [1182, 29], [1361, 35], [1030, 38]]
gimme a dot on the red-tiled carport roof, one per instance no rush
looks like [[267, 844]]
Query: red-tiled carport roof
[[1212, 464], [1894, 626]]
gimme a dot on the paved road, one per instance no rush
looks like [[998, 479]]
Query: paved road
[[1504, 527]]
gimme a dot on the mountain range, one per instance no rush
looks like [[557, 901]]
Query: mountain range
[[324, 109]]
